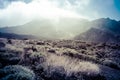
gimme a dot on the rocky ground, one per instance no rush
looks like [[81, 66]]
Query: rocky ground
[[58, 60]]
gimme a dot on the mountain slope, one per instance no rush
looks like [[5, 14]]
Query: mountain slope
[[99, 30], [103, 30], [97, 35], [52, 29], [37, 28], [18, 36], [107, 24]]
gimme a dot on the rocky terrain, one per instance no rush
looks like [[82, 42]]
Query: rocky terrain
[[30, 59]]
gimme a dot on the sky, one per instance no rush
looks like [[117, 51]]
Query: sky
[[18, 12]]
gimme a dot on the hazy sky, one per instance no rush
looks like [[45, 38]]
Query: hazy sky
[[16, 12]]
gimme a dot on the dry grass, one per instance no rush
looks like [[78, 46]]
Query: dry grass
[[63, 60], [72, 65]]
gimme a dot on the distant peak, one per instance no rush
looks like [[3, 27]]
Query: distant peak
[[105, 20]]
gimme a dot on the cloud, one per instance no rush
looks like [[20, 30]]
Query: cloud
[[19, 12], [82, 7], [5, 3], [16, 12]]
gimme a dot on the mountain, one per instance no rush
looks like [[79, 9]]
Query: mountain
[[16, 36], [102, 30], [99, 30], [97, 35], [62, 28], [107, 24], [36, 28]]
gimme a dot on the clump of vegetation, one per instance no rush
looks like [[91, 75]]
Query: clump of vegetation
[[58, 60], [16, 72], [66, 68], [40, 43], [51, 51], [33, 59], [9, 41], [9, 58], [2, 44], [111, 64], [37, 57]]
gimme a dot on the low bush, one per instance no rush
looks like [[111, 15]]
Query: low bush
[[16, 72], [9, 58], [37, 57], [66, 68], [111, 64], [2, 44], [59, 73]]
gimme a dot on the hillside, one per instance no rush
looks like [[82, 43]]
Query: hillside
[[97, 35], [102, 30], [69, 28], [51, 29], [58, 60], [18, 36]]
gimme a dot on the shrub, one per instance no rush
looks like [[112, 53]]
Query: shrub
[[2, 44], [9, 58], [82, 47], [59, 73], [40, 43], [37, 56], [3, 49], [111, 64], [51, 51], [66, 68], [9, 41], [16, 72], [53, 73], [0, 65]]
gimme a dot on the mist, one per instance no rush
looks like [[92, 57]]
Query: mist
[[53, 18], [62, 28]]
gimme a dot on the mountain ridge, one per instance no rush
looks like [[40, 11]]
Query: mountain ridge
[[103, 30], [106, 28]]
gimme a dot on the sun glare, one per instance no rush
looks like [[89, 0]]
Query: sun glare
[[36, 9], [47, 9]]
